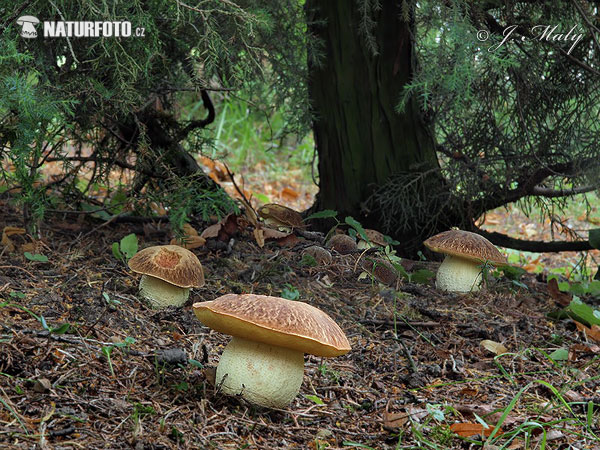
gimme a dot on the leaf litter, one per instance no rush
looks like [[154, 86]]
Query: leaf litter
[[85, 364]]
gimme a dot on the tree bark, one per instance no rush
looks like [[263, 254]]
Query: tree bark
[[360, 137]]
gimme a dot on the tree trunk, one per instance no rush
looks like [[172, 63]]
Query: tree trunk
[[360, 137]]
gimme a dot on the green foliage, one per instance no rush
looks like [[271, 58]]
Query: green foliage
[[126, 248], [290, 292], [582, 312], [185, 197], [92, 104], [35, 257]]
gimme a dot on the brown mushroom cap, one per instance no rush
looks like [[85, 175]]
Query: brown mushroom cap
[[467, 245], [275, 321], [342, 243], [170, 263], [375, 237], [282, 214]]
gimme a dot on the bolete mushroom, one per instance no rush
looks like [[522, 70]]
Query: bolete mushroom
[[375, 239], [342, 243], [264, 362], [465, 252], [168, 274]]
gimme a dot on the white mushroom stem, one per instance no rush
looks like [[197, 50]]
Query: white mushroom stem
[[458, 275], [262, 374], [161, 294]]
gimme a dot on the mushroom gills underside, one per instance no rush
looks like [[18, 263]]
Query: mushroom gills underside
[[263, 374], [161, 294], [458, 275]]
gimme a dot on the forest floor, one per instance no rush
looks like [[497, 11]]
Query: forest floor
[[426, 369]]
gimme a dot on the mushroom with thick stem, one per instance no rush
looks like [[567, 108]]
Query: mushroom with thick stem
[[466, 253], [264, 362], [168, 274]]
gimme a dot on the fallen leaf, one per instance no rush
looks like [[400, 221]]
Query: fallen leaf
[[394, 421], [259, 237], [494, 347], [562, 298], [189, 242], [593, 332], [289, 194], [189, 230], [468, 429]]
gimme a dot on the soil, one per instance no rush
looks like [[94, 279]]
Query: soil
[[126, 376]]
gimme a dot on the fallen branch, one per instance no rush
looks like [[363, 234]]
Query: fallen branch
[[534, 246]]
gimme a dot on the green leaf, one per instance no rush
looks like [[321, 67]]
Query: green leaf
[[357, 226], [315, 399], [36, 257], [116, 252], [560, 354], [325, 214], [129, 245], [44, 324], [195, 363], [290, 292], [62, 329], [401, 270], [595, 238], [308, 261], [261, 197], [422, 276], [583, 313]]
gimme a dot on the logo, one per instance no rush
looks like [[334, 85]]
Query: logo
[[78, 29], [28, 23]]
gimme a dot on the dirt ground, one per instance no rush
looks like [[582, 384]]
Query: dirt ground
[[417, 371]]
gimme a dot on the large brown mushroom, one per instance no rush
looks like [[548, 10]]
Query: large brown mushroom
[[168, 274], [264, 362], [466, 253]]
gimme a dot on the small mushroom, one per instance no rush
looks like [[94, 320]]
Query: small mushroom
[[465, 253], [376, 239], [264, 362], [280, 216], [320, 254], [342, 243], [381, 270], [168, 274]]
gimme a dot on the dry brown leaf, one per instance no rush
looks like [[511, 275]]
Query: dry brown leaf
[[211, 231], [270, 233], [189, 242], [259, 237], [593, 332], [494, 347], [11, 231], [394, 421], [289, 194], [189, 230], [562, 298], [467, 429]]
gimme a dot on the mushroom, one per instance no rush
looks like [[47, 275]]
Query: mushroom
[[264, 361], [28, 23], [465, 253], [342, 243], [280, 216], [375, 239], [381, 270], [321, 255], [168, 274]]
